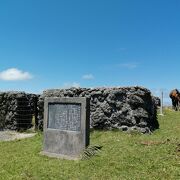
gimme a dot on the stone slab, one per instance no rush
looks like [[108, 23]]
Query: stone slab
[[66, 127]]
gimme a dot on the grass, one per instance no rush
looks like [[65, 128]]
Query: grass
[[123, 156]]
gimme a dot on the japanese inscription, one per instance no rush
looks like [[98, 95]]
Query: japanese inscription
[[64, 116]]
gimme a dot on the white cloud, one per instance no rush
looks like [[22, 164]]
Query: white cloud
[[128, 65], [88, 76], [69, 85], [14, 74]]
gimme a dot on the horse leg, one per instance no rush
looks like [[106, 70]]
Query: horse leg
[[174, 104], [177, 105]]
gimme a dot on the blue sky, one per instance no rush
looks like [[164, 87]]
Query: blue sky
[[89, 43]]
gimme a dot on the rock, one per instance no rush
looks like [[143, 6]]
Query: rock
[[123, 108], [114, 108], [123, 128], [157, 101], [9, 109]]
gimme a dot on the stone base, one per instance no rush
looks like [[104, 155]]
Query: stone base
[[60, 156]]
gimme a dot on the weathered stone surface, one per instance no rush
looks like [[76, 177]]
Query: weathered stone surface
[[113, 108], [9, 108], [66, 126], [157, 101]]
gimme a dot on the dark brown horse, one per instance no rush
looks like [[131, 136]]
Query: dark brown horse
[[175, 97]]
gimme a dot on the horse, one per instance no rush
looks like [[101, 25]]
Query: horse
[[175, 97]]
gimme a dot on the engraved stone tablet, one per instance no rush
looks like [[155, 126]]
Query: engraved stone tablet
[[66, 126], [64, 117]]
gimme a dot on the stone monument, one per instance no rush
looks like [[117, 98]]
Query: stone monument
[[66, 126]]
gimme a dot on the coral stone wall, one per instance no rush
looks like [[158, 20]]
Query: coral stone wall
[[12, 111], [157, 101], [128, 108]]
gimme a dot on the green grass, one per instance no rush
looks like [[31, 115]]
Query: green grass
[[123, 156]]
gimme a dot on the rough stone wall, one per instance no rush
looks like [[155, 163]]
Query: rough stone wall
[[157, 101], [9, 108], [129, 108]]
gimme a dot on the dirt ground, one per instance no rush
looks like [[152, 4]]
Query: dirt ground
[[13, 135]]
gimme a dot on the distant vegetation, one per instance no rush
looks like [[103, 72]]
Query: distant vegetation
[[122, 156]]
